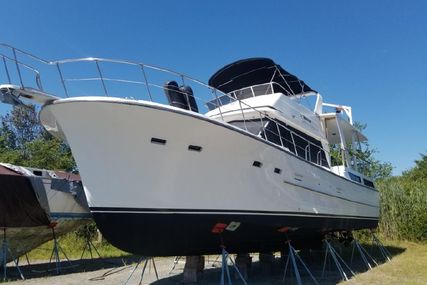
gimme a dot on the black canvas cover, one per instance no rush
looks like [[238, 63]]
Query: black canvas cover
[[253, 71], [19, 205]]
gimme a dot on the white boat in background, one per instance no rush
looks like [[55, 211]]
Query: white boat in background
[[35, 201], [242, 157]]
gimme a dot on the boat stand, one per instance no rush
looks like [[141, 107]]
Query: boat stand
[[88, 246], [338, 261], [363, 254], [216, 260], [383, 250], [292, 262], [5, 252], [26, 257], [225, 256], [55, 253], [146, 262], [175, 262]]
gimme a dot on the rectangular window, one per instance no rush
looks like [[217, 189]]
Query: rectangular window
[[368, 183], [354, 177]]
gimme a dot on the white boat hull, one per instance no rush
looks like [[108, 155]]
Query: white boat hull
[[164, 199]]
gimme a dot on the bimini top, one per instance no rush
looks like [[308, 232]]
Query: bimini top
[[254, 71]]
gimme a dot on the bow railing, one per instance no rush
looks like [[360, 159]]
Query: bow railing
[[127, 79]]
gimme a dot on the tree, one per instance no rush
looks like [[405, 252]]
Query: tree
[[23, 141], [371, 167], [22, 121], [419, 171]]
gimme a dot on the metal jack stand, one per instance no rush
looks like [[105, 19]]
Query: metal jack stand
[[146, 262], [339, 262], [363, 253], [26, 257], [216, 260], [55, 252], [384, 252], [89, 245], [293, 263], [5, 251], [175, 262], [224, 268]]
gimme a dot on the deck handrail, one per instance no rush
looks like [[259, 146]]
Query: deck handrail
[[216, 93]]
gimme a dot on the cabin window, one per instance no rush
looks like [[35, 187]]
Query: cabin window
[[281, 134], [272, 133], [354, 177], [305, 146], [286, 138], [302, 146], [252, 126], [368, 183]]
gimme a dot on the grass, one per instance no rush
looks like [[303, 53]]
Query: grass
[[407, 267], [73, 246]]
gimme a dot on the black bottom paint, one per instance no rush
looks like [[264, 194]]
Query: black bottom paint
[[178, 234]]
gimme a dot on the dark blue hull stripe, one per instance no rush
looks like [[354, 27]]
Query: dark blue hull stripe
[[219, 211]]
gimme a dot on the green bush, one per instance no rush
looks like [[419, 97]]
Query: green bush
[[404, 204]]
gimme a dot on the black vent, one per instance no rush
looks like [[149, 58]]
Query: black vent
[[194, 148], [257, 164], [158, 141], [277, 170]]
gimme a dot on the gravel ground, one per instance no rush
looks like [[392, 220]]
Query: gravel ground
[[117, 271]]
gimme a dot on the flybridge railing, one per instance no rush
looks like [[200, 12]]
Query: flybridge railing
[[128, 79]]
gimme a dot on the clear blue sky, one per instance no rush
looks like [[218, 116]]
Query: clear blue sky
[[371, 55]]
